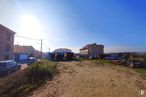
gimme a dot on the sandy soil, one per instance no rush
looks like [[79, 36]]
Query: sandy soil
[[87, 79]]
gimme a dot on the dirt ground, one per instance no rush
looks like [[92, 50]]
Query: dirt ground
[[87, 79]]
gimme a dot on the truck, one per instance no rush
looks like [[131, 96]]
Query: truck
[[60, 56], [51, 56], [68, 56]]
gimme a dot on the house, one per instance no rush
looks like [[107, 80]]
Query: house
[[6, 43], [92, 49], [28, 50], [24, 49]]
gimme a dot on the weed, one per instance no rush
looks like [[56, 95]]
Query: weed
[[141, 71], [26, 81]]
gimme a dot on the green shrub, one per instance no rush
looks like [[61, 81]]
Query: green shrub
[[40, 71], [78, 59], [23, 82], [99, 61], [142, 71]]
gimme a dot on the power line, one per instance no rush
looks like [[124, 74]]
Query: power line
[[32, 39], [43, 44], [28, 38]]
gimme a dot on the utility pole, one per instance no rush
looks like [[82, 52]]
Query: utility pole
[[41, 47], [17, 47], [49, 50]]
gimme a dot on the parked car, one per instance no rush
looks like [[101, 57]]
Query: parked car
[[31, 60], [93, 57], [7, 67]]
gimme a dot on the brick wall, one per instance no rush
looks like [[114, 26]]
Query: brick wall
[[6, 44]]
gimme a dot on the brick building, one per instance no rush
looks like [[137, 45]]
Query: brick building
[[6, 43], [28, 50], [92, 49]]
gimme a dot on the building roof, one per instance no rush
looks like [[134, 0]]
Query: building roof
[[62, 50], [19, 49], [28, 50], [86, 47], [3, 28], [89, 45]]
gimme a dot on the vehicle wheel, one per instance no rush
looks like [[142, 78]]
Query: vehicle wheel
[[126, 63], [131, 64]]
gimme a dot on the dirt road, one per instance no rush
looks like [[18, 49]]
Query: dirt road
[[87, 79], [23, 66]]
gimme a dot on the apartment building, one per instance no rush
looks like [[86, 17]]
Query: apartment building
[[6, 43]]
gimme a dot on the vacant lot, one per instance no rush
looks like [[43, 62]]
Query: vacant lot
[[92, 79]]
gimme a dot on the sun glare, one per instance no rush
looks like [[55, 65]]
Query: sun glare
[[30, 26]]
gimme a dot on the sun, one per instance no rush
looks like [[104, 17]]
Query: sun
[[30, 26]]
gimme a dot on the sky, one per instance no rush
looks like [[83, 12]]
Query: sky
[[120, 25]]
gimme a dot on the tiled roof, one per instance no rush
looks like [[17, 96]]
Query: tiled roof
[[87, 46], [19, 49]]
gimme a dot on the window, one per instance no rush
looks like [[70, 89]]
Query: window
[[8, 37], [7, 48], [6, 57]]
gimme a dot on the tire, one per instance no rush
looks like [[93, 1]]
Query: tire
[[126, 63], [131, 64]]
